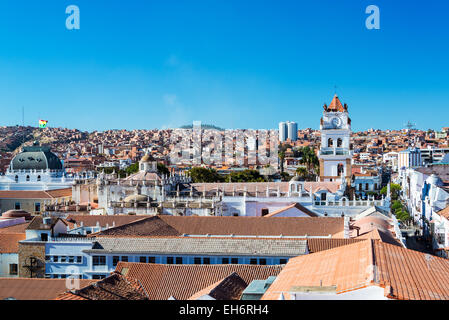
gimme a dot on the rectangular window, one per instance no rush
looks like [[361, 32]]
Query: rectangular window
[[253, 261], [79, 259], [143, 259], [263, 261], [124, 258], [17, 206], [71, 259], [178, 260], [98, 276], [197, 260], [169, 260], [63, 259], [99, 260], [37, 207], [47, 258], [151, 259], [282, 261], [206, 260], [13, 269], [115, 260], [225, 260], [63, 276], [44, 237], [55, 259], [234, 261]]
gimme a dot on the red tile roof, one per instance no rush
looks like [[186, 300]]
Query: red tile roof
[[9, 243], [26, 194], [34, 289], [407, 274], [18, 228], [183, 281], [113, 287], [444, 213], [336, 105], [229, 288], [91, 221], [167, 225]]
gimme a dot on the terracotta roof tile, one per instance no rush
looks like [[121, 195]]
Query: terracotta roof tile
[[167, 225], [183, 281], [113, 287], [9, 243], [229, 288], [404, 273], [34, 289], [29, 194], [91, 221], [18, 228]]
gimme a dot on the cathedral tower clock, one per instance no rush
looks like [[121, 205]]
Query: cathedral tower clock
[[335, 153]]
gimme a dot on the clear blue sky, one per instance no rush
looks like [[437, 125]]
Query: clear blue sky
[[233, 63]]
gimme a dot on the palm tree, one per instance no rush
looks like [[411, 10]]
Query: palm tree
[[281, 155], [309, 159]]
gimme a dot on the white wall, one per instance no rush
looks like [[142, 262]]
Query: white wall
[[5, 260]]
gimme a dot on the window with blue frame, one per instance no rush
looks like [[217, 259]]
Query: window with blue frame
[[99, 260]]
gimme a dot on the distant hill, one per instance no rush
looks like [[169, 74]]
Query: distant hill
[[203, 126]]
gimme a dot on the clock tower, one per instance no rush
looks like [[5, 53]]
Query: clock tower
[[335, 153]]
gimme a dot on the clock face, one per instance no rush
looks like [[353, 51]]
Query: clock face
[[336, 122]]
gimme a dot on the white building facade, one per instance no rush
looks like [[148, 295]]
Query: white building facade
[[335, 153]]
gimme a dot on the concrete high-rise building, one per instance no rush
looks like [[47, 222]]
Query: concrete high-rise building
[[282, 131], [292, 131]]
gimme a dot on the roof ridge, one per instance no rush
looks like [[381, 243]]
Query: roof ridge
[[372, 268]]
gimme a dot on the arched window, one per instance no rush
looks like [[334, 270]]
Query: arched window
[[28, 178], [16, 178], [329, 143], [38, 178], [339, 143]]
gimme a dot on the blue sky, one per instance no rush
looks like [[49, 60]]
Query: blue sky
[[139, 64]]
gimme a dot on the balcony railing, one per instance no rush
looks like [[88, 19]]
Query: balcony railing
[[334, 151]]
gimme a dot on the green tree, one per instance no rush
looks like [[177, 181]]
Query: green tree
[[285, 176], [162, 169], [395, 189], [310, 160], [281, 160], [302, 172], [396, 205], [200, 174], [246, 176], [133, 168]]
